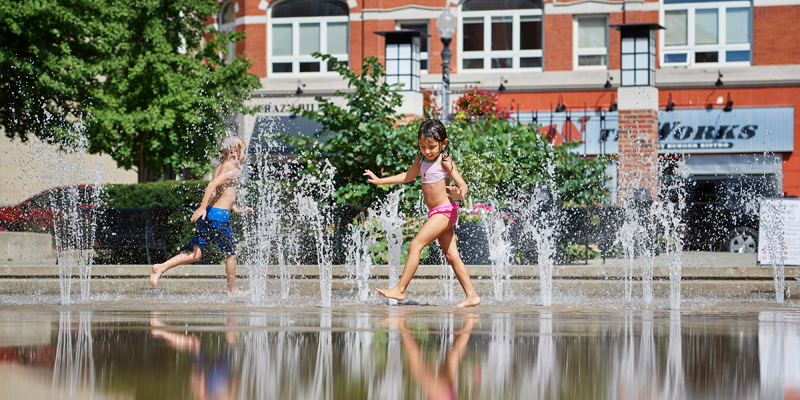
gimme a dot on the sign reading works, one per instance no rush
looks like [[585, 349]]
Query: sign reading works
[[741, 130]]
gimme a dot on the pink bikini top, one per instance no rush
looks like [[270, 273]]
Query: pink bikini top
[[432, 172]]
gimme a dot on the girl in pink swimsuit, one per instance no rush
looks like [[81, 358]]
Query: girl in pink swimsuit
[[437, 167]]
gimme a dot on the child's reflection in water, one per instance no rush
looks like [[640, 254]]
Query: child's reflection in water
[[441, 385], [207, 382]]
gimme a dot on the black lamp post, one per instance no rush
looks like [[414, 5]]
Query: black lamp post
[[446, 26]]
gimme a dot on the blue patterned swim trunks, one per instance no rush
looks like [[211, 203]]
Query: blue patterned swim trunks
[[216, 226]]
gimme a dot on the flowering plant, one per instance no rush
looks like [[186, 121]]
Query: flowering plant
[[480, 103], [481, 212], [429, 107]]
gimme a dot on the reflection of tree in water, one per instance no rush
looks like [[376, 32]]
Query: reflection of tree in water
[[74, 363]]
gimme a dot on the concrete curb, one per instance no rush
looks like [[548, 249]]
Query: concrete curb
[[593, 280]]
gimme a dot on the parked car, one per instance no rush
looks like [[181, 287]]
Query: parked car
[[722, 211], [36, 213]]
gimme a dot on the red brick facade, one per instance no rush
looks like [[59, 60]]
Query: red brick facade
[[558, 42], [776, 35], [638, 151], [775, 42]]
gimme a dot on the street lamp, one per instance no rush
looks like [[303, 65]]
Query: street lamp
[[446, 25]]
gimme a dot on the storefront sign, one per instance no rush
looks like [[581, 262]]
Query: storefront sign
[[696, 131], [283, 108]]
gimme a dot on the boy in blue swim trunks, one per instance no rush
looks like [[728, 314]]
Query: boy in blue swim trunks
[[213, 216]]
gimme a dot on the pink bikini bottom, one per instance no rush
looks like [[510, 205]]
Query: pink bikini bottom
[[449, 209]]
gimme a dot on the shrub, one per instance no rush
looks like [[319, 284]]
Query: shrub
[[183, 198]]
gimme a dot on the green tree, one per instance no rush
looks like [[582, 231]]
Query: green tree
[[51, 56], [362, 135], [138, 77], [501, 158]]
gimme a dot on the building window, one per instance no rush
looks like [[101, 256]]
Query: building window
[[298, 28], [227, 24], [424, 41], [706, 33], [500, 34], [590, 37]]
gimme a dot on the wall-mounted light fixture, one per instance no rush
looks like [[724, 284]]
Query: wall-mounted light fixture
[[609, 78], [561, 107], [502, 87], [613, 106], [670, 103], [299, 91], [729, 104], [719, 79]]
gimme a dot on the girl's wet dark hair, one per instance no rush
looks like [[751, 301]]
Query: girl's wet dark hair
[[434, 129]]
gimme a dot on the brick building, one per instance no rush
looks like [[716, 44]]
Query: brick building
[[727, 72]]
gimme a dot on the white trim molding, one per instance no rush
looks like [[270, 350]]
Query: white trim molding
[[252, 20], [599, 7], [404, 12], [768, 3]]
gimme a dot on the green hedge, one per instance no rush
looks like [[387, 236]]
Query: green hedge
[[183, 197]]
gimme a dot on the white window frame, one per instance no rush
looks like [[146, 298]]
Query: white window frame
[[296, 58], [422, 55], [690, 48], [487, 54], [593, 51]]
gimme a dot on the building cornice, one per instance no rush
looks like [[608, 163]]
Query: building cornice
[[555, 81]]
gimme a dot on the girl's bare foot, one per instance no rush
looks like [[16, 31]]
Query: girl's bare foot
[[470, 301], [155, 275], [154, 321], [392, 293]]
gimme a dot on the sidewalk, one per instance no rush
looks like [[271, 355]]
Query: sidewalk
[[704, 274]]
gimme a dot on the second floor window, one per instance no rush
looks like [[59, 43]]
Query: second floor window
[[227, 24], [301, 27], [706, 33], [591, 42], [500, 34]]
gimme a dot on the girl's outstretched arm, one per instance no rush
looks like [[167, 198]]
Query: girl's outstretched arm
[[459, 191], [403, 177]]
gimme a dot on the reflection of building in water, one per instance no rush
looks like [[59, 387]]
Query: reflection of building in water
[[74, 365], [779, 355]]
